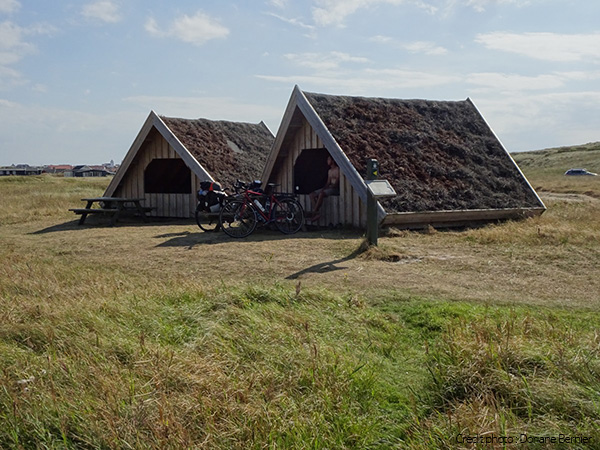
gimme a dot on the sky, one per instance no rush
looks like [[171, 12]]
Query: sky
[[79, 78]]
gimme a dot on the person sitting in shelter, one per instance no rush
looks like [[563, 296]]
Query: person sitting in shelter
[[332, 187]]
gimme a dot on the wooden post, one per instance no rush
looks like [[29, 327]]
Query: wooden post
[[372, 225]]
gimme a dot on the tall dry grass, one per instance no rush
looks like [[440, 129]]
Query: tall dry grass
[[515, 375], [30, 198]]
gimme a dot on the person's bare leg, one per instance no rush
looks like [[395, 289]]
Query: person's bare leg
[[319, 201], [316, 213], [313, 201]]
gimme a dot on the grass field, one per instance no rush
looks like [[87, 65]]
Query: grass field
[[160, 336]]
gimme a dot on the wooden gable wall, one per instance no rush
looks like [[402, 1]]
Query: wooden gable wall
[[346, 209], [132, 185]]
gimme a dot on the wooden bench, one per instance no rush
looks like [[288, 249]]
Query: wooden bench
[[113, 206]]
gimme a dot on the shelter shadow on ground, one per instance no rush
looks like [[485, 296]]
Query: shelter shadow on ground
[[329, 266], [191, 239], [98, 222]]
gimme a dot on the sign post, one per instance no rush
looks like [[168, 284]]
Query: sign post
[[376, 189], [372, 225]]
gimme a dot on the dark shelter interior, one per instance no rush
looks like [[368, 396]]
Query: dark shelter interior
[[310, 170]]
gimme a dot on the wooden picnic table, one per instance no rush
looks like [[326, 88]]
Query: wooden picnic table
[[112, 206]]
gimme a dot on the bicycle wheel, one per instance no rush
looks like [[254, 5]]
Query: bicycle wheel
[[207, 221], [237, 218], [289, 215]]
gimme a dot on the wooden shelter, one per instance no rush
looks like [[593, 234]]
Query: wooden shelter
[[170, 157], [443, 160]]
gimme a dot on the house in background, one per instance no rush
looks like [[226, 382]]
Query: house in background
[[170, 157], [58, 168], [20, 169], [87, 171], [443, 160]]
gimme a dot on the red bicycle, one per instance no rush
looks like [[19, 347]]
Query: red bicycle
[[241, 213]]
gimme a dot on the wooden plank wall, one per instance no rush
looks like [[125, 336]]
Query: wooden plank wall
[[346, 209], [166, 205]]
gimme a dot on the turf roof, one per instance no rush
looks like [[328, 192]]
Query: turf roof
[[227, 150], [438, 155]]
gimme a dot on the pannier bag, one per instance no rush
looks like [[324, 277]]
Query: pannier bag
[[210, 186], [210, 196], [255, 186]]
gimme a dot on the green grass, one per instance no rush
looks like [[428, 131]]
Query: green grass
[[253, 366], [159, 336]]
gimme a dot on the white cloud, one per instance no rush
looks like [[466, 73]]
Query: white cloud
[[215, 108], [481, 5], [521, 120], [11, 36], [38, 87], [292, 21], [62, 133], [196, 29], [428, 48], [368, 81], [580, 76], [545, 46], [153, 28], [379, 39], [425, 47], [10, 78], [278, 3], [512, 82], [335, 12], [104, 10], [9, 6], [14, 47], [7, 103], [324, 61], [9, 58], [407, 79]]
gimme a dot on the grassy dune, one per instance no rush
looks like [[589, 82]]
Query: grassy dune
[[161, 336], [546, 168]]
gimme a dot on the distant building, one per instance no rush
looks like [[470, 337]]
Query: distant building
[[87, 171], [57, 168], [110, 166], [20, 169]]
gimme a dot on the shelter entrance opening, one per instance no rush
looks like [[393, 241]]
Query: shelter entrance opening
[[310, 170], [167, 176]]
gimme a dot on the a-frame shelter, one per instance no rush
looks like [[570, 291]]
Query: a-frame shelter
[[170, 157], [444, 161]]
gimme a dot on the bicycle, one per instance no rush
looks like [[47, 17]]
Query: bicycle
[[242, 212], [210, 201]]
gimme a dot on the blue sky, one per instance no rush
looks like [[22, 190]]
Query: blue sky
[[78, 78]]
